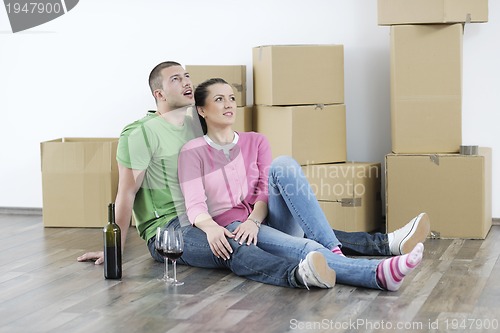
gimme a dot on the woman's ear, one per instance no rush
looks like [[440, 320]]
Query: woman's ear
[[200, 110]]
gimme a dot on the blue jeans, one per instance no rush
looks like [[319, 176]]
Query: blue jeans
[[247, 261], [294, 210], [274, 259], [363, 243], [356, 272]]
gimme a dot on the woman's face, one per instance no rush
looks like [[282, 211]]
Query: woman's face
[[220, 106]]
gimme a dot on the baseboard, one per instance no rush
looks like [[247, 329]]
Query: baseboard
[[38, 211], [20, 211]]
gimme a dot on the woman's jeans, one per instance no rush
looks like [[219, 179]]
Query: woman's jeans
[[274, 259], [356, 272], [247, 261], [294, 209]]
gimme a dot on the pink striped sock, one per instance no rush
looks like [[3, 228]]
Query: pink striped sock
[[391, 272], [337, 250]]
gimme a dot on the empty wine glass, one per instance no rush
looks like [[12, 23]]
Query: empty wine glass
[[160, 243], [174, 247]]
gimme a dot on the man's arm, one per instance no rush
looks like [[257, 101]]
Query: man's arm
[[129, 182]]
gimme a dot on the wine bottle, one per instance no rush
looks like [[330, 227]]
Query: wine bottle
[[112, 247]]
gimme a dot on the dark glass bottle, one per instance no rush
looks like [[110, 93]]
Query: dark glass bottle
[[112, 247]]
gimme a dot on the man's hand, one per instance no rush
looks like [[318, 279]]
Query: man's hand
[[97, 256]]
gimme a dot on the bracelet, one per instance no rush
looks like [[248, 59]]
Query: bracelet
[[257, 222]]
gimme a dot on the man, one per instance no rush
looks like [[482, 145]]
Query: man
[[147, 163]]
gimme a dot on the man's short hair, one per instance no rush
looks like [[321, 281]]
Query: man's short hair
[[155, 77]]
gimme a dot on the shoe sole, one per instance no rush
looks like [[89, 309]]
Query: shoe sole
[[324, 274], [418, 233]]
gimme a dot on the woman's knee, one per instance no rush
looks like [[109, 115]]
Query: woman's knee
[[284, 161], [284, 166]]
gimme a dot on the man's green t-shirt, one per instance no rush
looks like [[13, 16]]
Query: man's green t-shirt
[[152, 144]]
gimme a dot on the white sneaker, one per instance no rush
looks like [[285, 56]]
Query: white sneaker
[[414, 232], [314, 271]]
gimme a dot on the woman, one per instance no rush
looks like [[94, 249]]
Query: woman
[[224, 179]]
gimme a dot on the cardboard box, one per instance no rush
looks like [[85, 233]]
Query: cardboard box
[[454, 189], [426, 88], [79, 180], [349, 194], [310, 134], [344, 217], [236, 76], [298, 74], [244, 119], [392, 12]]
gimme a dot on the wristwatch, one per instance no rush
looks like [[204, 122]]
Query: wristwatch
[[257, 222]]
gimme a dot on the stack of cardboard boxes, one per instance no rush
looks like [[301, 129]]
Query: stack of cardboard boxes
[[425, 172], [236, 77], [299, 106]]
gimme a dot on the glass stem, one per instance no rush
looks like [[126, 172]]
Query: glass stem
[[166, 269], [175, 270]]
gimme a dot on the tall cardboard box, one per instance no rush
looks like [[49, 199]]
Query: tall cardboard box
[[235, 75], [311, 134], [79, 180], [244, 119], [348, 193], [298, 74], [391, 12], [454, 189], [426, 88]]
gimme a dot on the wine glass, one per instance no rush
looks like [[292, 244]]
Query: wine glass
[[160, 241], [174, 247]]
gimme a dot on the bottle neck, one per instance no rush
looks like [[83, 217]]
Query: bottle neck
[[111, 213]]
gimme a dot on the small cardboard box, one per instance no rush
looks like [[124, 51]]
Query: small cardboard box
[[348, 193], [309, 133], [79, 180], [298, 74], [244, 119], [391, 12], [454, 189], [426, 88], [236, 76]]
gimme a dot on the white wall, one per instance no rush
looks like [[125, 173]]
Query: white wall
[[85, 73]]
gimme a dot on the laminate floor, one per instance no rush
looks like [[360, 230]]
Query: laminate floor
[[44, 289]]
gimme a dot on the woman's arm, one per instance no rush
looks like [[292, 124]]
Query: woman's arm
[[193, 188], [247, 232]]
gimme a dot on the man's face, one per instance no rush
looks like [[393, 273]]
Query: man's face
[[177, 87]]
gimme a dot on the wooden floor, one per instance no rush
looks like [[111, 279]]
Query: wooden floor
[[44, 289]]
